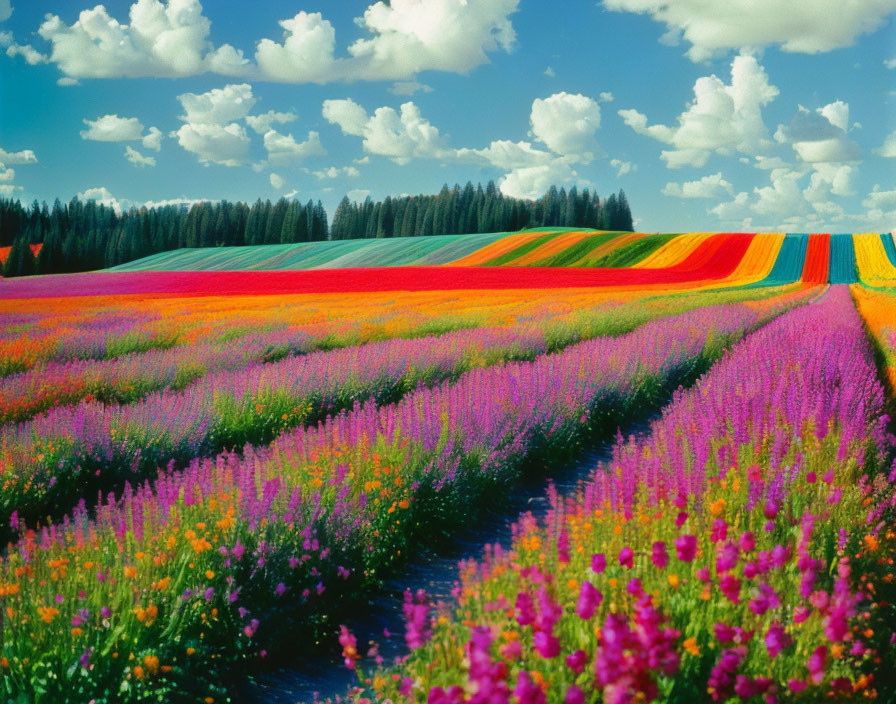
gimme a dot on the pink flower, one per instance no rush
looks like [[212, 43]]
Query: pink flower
[[574, 695], [776, 639], [816, 664], [626, 557], [525, 609], [730, 586], [719, 531], [659, 556], [589, 600], [576, 661], [546, 644], [681, 519], [747, 542], [527, 691], [598, 562], [686, 547]]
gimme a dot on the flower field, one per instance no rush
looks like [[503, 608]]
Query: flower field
[[203, 471]]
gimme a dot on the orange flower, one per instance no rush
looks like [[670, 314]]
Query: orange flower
[[674, 581], [47, 613], [130, 571], [872, 543], [690, 645]]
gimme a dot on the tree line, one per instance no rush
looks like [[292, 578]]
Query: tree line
[[473, 209], [87, 235]]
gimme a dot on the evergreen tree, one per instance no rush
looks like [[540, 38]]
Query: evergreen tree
[[20, 261]]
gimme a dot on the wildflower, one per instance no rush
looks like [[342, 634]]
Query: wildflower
[[526, 691], [525, 609], [659, 555], [416, 615], [589, 599], [576, 661], [816, 664], [574, 695], [598, 562], [730, 587], [747, 542], [626, 557], [47, 613], [690, 646], [686, 547], [776, 639]]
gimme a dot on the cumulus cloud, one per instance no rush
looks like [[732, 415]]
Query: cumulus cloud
[[409, 88], [802, 27], [722, 118], [306, 54], [102, 196], [210, 130], [888, 148], [5, 10], [398, 136], [112, 128], [31, 55], [163, 39], [6, 175], [623, 167], [821, 135], [284, 150], [566, 124], [153, 139], [336, 172], [227, 145], [277, 181], [532, 182], [219, 105], [712, 186], [264, 123], [137, 159], [880, 203], [24, 157], [358, 194]]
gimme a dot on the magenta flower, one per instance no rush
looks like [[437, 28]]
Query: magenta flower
[[589, 599], [686, 547], [659, 555], [525, 609], [626, 557], [574, 695], [598, 562], [730, 586], [681, 519], [816, 664], [776, 639], [576, 661], [546, 644], [416, 617], [727, 557], [719, 531], [526, 691], [747, 542]]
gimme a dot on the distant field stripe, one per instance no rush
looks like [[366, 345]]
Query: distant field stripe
[[631, 254], [675, 251], [843, 260], [576, 251], [508, 258], [758, 260], [496, 249], [790, 261], [815, 269], [887, 239], [547, 250], [461, 246], [872, 259], [604, 249]]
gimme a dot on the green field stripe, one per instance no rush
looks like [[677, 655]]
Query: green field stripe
[[508, 257], [631, 254], [574, 253]]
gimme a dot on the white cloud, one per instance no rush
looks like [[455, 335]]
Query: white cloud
[[292, 194], [888, 148], [137, 159], [210, 131], [6, 175], [283, 150], [550, 72], [508, 155], [153, 140], [566, 123], [277, 181], [112, 128], [879, 200], [219, 105], [532, 182], [163, 39], [409, 88], [177, 201], [820, 136], [5, 10], [264, 123], [335, 172], [711, 186], [102, 196], [65, 81], [26, 156], [31, 55], [6, 37], [358, 194], [623, 167], [721, 118], [890, 63], [227, 145], [802, 27], [399, 137], [8, 190], [306, 54], [606, 97], [410, 36]]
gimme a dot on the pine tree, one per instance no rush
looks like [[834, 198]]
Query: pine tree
[[20, 261]]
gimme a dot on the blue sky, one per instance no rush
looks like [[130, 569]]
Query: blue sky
[[735, 115]]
